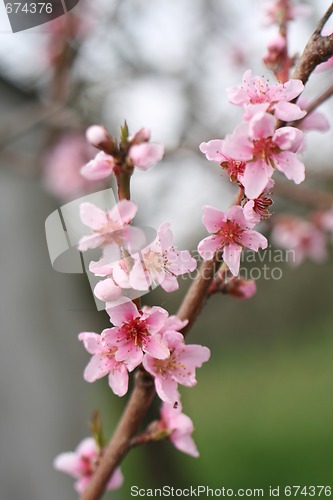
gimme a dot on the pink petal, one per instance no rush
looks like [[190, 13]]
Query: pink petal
[[123, 312], [98, 367], [155, 319], [290, 165], [170, 283], [238, 145], [315, 121], [91, 241], [107, 290], [213, 219], [262, 125], [254, 240], [116, 480], [92, 342], [213, 150], [208, 246], [184, 443], [130, 354], [231, 256], [256, 176], [145, 155], [165, 236], [167, 389], [99, 168], [288, 111], [155, 348], [236, 214], [124, 211], [68, 462], [118, 379], [92, 216], [139, 278], [289, 138], [250, 215]]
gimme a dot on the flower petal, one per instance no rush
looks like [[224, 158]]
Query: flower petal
[[231, 256]]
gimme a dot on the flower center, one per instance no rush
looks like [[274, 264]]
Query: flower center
[[164, 366], [136, 331], [234, 168], [264, 148], [231, 232]]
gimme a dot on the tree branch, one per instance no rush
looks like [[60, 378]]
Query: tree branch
[[318, 50]]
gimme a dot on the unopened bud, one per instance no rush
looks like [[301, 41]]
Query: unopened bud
[[99, 137]]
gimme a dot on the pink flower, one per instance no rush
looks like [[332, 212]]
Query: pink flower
[[302, 238], [160, 263], [213, 152], [240, 288], [146, 155], [107, 290], [103, 348], [108, 227], [257, 96], [99, 168], [277, 11], [178, 368], [61, 175], [180, 427], [81, 465], [261, 146], [231, 232], [136, 332]]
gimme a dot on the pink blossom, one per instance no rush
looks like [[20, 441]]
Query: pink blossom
[[262, 147], [302, 238], [180, 427], [277, 54], [257, 96], [178, 368], [99, 168], [103, 348], [108, 227], [277, 11], [213, 152], [136, 332], [61, 175], [99, 137], [81, 464], [240, 288], [160, 263], [231, 232], [146, 155]]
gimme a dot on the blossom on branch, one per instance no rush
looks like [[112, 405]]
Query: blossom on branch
[[180, 428], [231, 233], [81, 464], [178, 368], [136, 332], [257, 96], [108, 227], [263, 148]]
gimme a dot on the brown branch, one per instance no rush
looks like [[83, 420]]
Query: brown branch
[[135, 411], [318, 50]]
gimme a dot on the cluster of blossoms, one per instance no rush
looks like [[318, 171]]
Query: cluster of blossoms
[[250, 155], [306, 238], [145, 336], [136, 151]]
